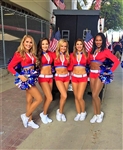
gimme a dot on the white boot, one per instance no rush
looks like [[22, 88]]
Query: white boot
[[33, 125], [83, 116], [49, 120], [58, 115], [24, 120], [43, 118], [77, 117], [100, 117], [63, 118], [93, 120]]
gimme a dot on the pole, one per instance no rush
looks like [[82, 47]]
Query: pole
[[4, 53], [26, 24]]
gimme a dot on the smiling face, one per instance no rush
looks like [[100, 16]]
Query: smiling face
[[63, 47], [79, 46], [44, 45], [27, 44], [98, 41]]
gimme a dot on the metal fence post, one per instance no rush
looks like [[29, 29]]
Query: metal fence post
[[4, 53], [47, 28], [41, 29], [26, 24]]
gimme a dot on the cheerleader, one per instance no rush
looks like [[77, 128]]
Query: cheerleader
[[26, 55], [78, 61], [98, 55], [46, 77], [62, 76]]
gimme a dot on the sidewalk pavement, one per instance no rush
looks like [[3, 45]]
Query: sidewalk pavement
[[3, 72], [62, 135]]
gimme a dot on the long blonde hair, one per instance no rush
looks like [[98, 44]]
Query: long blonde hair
[[33, 49], [60, 42], [83, 49]]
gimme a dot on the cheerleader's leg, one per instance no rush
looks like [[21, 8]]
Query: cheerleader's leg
[[29, 101], [35, 93], [96, 87], [47, 89]]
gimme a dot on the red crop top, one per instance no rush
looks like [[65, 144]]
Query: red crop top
[[74, 62], [59, 63], [17, 58], [46, 61], [101, 56]]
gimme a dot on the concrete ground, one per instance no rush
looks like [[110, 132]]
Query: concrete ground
[[62, 135]]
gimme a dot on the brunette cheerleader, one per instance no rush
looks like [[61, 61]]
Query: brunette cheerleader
[[46, 77], [98, 55], [78, 62]]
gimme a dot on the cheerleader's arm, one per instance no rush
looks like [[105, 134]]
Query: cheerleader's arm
[[113, 58], [70, 66], [13, 63]]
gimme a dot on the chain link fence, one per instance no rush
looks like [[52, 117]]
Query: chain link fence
[[14, 25]]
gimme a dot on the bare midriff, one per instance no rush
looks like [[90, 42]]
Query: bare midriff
[[61, 70], [79, 70], [46, 70], [95, 66]]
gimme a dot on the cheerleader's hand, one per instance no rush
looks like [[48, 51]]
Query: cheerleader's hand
[[23, 78], [107, 73]]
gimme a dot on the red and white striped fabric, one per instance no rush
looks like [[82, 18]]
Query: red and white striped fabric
[[88, 45], [97, 5], [89, 41], [53, 45], [60, 4]]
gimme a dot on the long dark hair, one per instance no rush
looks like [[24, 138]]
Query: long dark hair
[[103, 46], [39, 49]]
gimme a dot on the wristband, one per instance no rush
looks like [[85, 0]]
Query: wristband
[[17, 74]]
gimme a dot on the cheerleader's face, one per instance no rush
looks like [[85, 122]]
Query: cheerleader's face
[[98, 41], [79, 46], [45, 45], [63, 47], [27, 44]]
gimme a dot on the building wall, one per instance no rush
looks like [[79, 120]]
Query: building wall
[[43, 8], [68, 4]]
